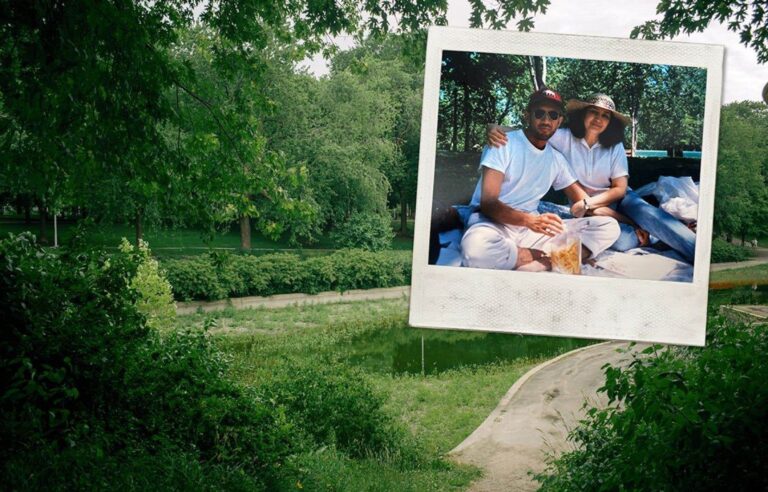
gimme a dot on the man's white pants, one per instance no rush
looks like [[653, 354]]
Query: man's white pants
[[491, 245]]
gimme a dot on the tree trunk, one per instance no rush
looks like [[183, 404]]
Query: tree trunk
[[245, 233], [467, 124], [537, 65], [455, 120], [27, 213], [139, 227], [403, 215], [532, 70], [43, 225], [634, 133]]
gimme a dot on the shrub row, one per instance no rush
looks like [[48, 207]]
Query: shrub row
[[723, 251], [220, 275]]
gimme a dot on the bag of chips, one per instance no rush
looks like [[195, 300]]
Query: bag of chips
[[565, 252]]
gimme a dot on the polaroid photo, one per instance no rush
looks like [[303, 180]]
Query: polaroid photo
[[566, 185]]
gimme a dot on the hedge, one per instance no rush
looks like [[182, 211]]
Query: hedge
[[220, 275], [723, 251]]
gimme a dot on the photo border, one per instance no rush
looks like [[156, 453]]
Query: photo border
[[563, 305]]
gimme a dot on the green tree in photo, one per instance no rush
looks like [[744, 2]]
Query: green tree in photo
[[674, 109], [478, 88]]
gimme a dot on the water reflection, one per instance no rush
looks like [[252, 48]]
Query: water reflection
[[398, 350]]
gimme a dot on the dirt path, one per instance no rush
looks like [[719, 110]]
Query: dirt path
[[761, 256], [285, 300], [534, 417]]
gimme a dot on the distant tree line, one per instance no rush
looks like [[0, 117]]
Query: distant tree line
[[199, 117]]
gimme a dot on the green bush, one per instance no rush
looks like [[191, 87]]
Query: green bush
[[366, 230], [193, 278], [155, 294], [284, 273], [678, 419], [221, 275], [723, 251], [336, 406], [82, 374], [359, 269]]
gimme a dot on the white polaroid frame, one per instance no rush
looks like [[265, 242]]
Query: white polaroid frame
[[563, 305]]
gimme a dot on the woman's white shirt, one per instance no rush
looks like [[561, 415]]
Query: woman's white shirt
[[594, 166]]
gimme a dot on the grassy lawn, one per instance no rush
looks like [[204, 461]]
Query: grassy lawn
[[757, 274], [440, 410], [183, 242], [443, 409]]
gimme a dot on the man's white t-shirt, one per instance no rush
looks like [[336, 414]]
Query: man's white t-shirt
[[594, 166], [528, 172]]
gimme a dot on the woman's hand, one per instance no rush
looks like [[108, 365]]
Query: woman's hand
[[547, 224], [495, 135]]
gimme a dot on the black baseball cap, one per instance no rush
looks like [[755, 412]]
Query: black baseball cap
[[546, 95]]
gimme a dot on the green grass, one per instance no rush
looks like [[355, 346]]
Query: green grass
[[443, 409], [293, 319], [738, 295], [330, 470], [440, 410], [757, 274], [183, 242]]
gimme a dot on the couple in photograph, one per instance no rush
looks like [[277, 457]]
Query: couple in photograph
[[507, 224]]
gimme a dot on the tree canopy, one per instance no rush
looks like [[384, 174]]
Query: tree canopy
[[748, 18], [741, 201], [93, 94]]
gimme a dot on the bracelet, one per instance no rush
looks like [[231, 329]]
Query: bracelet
[[586, 204]]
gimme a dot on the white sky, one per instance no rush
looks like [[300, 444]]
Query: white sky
[[743, 77]]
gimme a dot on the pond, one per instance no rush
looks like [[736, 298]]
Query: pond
[[399, 350]]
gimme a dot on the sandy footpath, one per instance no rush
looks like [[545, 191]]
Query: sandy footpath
[[534, 416]]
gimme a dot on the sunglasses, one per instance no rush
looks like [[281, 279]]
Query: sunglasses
[[540, 113]]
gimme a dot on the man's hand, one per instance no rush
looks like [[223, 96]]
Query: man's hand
[[579, 209], [547, 224], [496, 136]]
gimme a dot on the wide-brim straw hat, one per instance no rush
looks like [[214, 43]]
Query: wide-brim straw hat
[[601, 101]]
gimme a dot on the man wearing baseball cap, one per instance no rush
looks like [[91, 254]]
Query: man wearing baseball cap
[[505, 231]]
